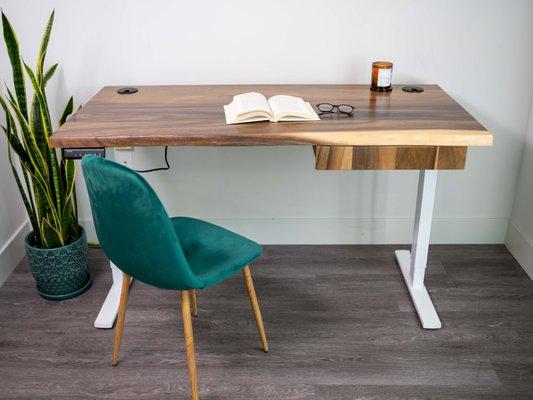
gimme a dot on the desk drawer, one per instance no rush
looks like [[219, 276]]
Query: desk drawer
[[389, 157]]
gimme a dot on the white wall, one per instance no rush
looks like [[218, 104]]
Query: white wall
[[13, 220], [520, 234], [478, 51]]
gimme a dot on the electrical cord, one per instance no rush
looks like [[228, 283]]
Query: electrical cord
[[144, 171]]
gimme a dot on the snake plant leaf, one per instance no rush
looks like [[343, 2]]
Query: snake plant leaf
[[12, 44], [25, 192], [47, 129], [44, 46], [75, 208], [18, 148], [27, 168], [49, 73], [47, 189], [43, 104], [43, 188], [36, 125], [30, 207], [35, 115], [55, 179], [12, 136], [69, 176], [29, 185], [28, 139], [42, 136], [68, 221], [41, 201], [68, 110], [52, 237]]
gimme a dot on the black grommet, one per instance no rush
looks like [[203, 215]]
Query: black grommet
[[127, 90], [413, 89]]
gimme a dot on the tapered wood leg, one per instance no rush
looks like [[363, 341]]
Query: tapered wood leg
[[189, 340], [194, 306], [255, 306], [121, 317]]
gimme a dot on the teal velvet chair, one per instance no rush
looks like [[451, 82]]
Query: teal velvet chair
[[180, 253]]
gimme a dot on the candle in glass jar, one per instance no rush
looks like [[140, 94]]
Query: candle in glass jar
[[381, 76]]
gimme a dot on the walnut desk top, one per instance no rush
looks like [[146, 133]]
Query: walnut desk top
[[394, 130]]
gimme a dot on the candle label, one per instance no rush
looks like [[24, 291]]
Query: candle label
[[384, 77]]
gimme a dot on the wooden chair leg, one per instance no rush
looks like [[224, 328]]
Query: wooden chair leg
[[255, 306], [194, 305], [189, 340], [121, 316]]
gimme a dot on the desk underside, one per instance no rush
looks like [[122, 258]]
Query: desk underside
[[389, 157]]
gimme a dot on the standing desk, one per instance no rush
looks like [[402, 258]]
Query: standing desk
[[425, 131]]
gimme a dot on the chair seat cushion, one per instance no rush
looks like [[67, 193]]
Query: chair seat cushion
[[213, 253]]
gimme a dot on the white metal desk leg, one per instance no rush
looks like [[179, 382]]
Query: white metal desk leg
[[108, 313], [413, 263]]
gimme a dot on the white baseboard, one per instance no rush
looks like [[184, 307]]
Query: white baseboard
[[12, 251], [520, 247], [355, 231]]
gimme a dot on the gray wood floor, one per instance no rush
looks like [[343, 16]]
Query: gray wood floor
[[339, 319]]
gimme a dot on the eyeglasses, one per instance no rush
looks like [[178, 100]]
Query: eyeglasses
[[327, 108]]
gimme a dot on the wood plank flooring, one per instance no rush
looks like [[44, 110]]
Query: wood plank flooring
[[339, 320]]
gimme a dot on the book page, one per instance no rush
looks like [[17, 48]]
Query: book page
[[248, 107], [253, 106], [291, 108], [247, 104]]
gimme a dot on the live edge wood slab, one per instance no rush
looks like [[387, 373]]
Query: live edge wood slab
[[393, 130]]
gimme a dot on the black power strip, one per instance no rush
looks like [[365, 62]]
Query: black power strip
[[76, 154]]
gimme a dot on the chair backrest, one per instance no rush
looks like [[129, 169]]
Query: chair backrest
[[133, 227]]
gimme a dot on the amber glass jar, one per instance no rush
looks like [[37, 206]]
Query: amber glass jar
[[381, 76]]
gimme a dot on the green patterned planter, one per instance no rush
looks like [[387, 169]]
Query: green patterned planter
[[60, 273]]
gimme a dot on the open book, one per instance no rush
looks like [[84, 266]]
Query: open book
[[252, 107]]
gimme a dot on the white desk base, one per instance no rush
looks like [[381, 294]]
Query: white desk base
[[108, 313], [412, 263]]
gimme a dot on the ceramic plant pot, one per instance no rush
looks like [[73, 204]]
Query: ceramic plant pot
[[60, 273]]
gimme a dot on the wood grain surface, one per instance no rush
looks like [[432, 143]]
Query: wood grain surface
[[389, 157], [193, 116], [340, 324]]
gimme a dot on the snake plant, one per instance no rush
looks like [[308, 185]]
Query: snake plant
[[45, 182]]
